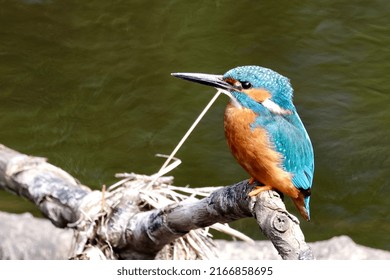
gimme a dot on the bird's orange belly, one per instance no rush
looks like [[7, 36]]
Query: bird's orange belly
[[253, 151]]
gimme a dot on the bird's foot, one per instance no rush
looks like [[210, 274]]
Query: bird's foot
[[257, 190]]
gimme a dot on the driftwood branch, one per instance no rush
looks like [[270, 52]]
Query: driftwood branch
[[55, 192], [38, 239], [141, 217]]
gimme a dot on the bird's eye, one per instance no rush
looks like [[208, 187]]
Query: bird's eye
[[246, 85]]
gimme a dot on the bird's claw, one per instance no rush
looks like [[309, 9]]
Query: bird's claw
[[257, 190]]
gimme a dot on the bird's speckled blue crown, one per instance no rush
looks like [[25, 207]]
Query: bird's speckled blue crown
[[260, 77]]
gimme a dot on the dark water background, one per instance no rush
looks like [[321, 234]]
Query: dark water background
[[87, 84]]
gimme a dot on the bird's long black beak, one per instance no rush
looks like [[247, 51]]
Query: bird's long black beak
[[205, 79]]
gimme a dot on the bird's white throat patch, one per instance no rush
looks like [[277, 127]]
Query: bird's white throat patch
[[232, 98]]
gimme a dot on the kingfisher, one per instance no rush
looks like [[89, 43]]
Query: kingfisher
[[264, 131]]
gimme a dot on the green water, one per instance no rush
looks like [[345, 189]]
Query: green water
[[87, 84]]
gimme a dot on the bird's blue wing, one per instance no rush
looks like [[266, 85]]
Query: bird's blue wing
[[291, 140]]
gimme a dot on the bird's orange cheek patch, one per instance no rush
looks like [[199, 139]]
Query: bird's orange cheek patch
[[257, 94]]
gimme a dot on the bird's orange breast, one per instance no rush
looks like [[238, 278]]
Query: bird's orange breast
[[254, 152]]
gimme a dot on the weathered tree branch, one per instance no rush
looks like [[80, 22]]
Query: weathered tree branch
[[122, 222], [55, 192]]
